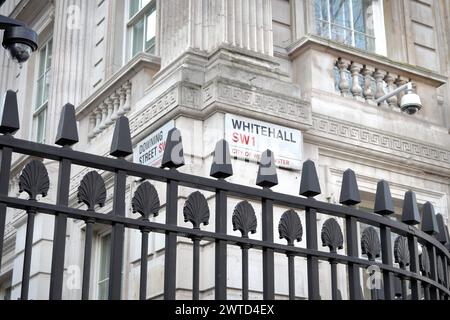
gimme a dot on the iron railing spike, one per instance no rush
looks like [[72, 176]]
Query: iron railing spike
[[410, 212], [121, 143], [429, 222], [267, 171], [221, 167], [9, 114], [441, 236], [383, 199], [173, 156], [67, 133], [349, 189], [309, 184]]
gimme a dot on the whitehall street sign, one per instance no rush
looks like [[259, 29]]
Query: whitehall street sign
[[248, 138], [151, 149]]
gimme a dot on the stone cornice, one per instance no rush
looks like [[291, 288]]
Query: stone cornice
[[378, 61]]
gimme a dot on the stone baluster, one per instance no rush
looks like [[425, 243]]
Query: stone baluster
[[109, 107], [92, 125], [122, 100], [98, 121], [390, 79], [127, 106], [116, 103], [344, 86], [399, 82], [355, 69], [104, 112], [379, 77], [368, 92]]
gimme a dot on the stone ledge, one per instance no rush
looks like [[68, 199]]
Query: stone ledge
[[378, 61]]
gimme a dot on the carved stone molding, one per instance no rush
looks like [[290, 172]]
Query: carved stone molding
[[337, 128], [161, 106], [257, 100]]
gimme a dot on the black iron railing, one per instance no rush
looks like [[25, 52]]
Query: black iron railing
[[427, 273]]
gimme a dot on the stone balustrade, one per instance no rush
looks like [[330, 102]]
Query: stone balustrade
[[113, 106], [367, 83]]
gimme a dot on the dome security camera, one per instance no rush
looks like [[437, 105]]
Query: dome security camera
[[410, 103], [20, 42]]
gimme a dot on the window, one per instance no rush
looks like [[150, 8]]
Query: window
[[352, 22], [42, 88], [103, 275], [142, 26]]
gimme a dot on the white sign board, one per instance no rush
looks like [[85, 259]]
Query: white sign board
[[248, 138], [151, 149]]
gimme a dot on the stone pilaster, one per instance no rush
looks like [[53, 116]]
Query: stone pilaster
[[206, 25]]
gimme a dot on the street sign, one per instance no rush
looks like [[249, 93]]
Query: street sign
[[150, 150], [248, 138]]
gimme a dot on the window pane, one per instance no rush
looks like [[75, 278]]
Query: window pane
[[49, 54], [134, 7], [40, 92], [42, 58], [103, 277], [103, 290], [150, 31], [341, 35], [104, 258], [138, 37], [340, 12], [321, 10], [322, 29], [40, 126]]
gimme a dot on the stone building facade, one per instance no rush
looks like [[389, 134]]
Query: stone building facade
[[314, 67]]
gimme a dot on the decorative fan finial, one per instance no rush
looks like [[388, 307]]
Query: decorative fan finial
[[145, 200], [332, 235], [196, 210], [290, 227], [244, 219], [92, 190], [34, 180], [401, 252], [370, 243]]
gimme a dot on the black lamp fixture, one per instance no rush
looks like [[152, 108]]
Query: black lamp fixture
[[18, 39]]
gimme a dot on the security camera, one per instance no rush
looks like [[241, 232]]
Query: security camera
[[410, 103], [18, 39], [20, 42]]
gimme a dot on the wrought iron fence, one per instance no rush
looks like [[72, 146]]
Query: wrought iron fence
[[427, 272]]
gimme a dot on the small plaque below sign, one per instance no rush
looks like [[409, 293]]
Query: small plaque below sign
[[248, 138], [151, 149]]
